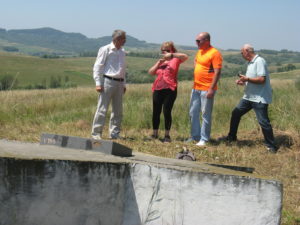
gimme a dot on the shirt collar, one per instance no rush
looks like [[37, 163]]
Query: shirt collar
[[254, 58], [113, 47]]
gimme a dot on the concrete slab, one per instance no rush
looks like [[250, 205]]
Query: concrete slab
[[71, 186], [104, 146]]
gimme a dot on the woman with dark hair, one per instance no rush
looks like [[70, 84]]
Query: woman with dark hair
[[164, 87]]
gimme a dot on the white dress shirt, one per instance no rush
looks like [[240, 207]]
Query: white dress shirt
[[111, 62]]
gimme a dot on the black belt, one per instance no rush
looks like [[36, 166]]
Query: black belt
[[112, 78]]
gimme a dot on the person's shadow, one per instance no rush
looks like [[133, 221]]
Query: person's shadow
[[280, 140], [284, 141]]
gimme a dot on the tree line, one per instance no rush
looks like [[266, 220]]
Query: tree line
[[9, 82]]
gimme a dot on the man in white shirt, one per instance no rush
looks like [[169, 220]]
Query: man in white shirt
[[258, 96], [109, 76]]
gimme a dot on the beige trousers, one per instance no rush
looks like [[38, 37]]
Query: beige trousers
[[113, 92]]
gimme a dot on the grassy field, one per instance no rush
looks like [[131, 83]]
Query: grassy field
[[35, 72], [24, 115], [32, 70]]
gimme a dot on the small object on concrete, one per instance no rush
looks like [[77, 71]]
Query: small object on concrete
[[104, 146], [185, 154]]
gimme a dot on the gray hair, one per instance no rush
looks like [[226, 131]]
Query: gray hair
[[248, 48], [118, 34]]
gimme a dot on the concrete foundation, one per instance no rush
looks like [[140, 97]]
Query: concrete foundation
[[50, 185]]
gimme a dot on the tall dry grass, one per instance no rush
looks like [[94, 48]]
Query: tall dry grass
[[25, 114]]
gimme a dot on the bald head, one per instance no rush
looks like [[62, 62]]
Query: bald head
[[203, 40], [204, 35], [248, 48], [247, 52]]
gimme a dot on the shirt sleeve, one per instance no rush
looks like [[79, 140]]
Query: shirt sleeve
[[217, 60], [99, 66], [261, 68]]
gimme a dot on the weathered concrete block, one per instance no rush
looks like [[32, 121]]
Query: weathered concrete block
[[44, 185], [104, 146]]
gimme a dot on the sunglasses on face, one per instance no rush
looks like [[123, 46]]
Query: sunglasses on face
[[165, 50], [198, 41]]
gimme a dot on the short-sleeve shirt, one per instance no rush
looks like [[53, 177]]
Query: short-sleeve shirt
[[257, 67], [205, 62], [167, 75]]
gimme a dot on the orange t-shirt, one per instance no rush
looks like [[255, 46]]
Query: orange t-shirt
[[205, 63]]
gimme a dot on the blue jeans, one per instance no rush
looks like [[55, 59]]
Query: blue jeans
[[261, 111], [199, 101]]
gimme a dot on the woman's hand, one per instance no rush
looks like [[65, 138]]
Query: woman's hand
[[168, 56], [153, 69], [160, 61]]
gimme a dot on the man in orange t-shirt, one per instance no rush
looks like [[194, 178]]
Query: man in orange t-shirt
[[208, 64]]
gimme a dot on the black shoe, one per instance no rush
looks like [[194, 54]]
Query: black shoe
[[117, 137], [227, 139], [272, 150], [151, 137], [167, 138], [154, 136]]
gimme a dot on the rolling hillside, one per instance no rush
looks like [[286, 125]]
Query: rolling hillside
[[48, 58], [48, 40], [31, 72]]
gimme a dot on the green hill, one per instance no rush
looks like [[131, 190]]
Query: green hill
[[60, 42], [29, 70], [51, 41]]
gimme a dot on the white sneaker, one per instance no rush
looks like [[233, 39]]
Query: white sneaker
[[201, 143], [96, 137]]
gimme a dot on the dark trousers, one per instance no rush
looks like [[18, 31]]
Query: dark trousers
[[261, 111], [163, 99]]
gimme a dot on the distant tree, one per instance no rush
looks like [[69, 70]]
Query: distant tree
[[286, 68], [10, 49], [147, 54], [235, 59], [290, 67], [284, 51], [8, 82], [88, 54], [39, 86], [66, 79], [44, 82], [268, 51], [50, 56], [55, 82]]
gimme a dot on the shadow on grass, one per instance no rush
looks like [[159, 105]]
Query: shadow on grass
[[238, 143], [284, 141]]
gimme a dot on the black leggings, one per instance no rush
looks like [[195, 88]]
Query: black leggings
[[165, 99]]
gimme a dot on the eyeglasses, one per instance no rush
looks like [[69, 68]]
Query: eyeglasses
[[165, 50], [200, 40]]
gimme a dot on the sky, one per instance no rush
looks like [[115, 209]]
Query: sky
[[266, 24]]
